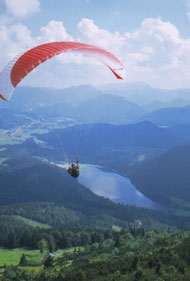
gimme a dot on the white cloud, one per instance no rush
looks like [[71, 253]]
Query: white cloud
[[21, 34], [17, 37], [92, 34], [54, 31], [13, 39], [157, 40], [22, 8], [154, 53], [157, 30]]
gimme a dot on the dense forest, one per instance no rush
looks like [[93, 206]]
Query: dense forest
[[108, 254]]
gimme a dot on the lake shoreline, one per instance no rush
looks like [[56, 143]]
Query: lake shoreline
[[114, 186]]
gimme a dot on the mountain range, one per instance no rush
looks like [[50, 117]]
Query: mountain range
[[148, 97], [84, 104]]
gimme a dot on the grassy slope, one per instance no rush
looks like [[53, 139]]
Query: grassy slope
[[32, 223]]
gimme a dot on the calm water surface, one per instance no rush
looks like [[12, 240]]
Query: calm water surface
[[113, 186]]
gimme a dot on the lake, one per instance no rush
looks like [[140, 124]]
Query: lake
[[113, 186]]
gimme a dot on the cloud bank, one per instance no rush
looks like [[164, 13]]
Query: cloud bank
[[154, 52]]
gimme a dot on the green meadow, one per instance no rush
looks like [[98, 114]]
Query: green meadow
[[34, 259], [12, 256]]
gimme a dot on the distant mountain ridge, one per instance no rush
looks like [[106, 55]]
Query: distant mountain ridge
[[84, 104], [169, 116], [115, 104], [144, 95]]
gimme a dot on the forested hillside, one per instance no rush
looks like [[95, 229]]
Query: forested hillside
[[165, 178], [106, 255]]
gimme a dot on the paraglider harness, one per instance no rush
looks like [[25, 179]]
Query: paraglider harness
[[73, 170]]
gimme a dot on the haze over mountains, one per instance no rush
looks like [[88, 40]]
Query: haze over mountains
[[119, 104], [147, 97]]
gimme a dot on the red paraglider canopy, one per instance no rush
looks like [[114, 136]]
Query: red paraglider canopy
[[19, 67]]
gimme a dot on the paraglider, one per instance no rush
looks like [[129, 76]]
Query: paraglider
[[21, 65], [73, 169]]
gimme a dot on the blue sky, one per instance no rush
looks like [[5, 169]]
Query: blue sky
[[151, 38]]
